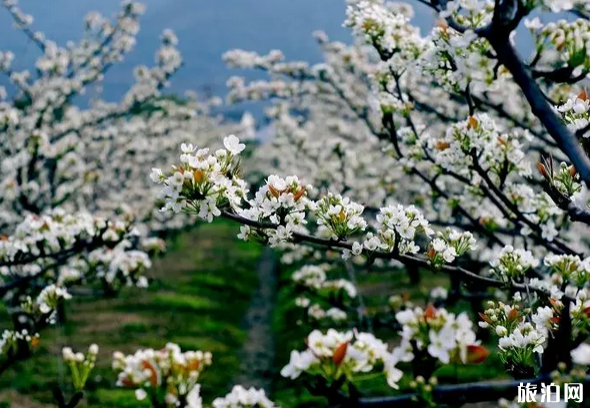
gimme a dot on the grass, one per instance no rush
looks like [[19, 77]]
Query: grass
[[202, 290]]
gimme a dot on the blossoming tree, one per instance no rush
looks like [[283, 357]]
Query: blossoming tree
[[73, 207]]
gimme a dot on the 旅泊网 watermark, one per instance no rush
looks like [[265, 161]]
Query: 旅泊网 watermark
[[572, 392]]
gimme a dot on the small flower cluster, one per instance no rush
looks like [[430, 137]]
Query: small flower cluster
[[538, 208], [442, 335], [153, 245], [240, 397], [313, 279], [570, 38], [46, 302], [480, 135], [166, 375], [576, 112], [317, 312], [203, 182], [567, 180], [579, 311], [470, 13], [119, 265], [390, 32], [398, 226], [457, 60], [439, 293], [343, 354], [80, 365], [281, 201], [568, 269], [10, 339], [448, 245], [513, 263], [340, 215], [518, 339], [312, 276]]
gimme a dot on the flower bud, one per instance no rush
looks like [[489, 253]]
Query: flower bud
[[501, 331], [93, 349]]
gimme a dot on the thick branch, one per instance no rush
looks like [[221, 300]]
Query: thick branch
[[567, 142]]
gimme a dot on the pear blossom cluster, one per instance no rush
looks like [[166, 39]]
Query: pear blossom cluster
[[441, 335], [340, 215], [334, 315], [567, 181], [389, 31], [343, 354], [519, 339], [119, 266], [449, 245], [10, 340], [574, 112], [479, 135], [568, 269], [46, 235], [314, 285], [398, 226], [241, 397], [168, 376], [314, 277], [513, 263], [47, 301], [281, 201], [571, 38], [472, 14], [203, 181], [456, 60]]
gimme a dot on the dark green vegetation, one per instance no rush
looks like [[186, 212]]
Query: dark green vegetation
[[201, 292]]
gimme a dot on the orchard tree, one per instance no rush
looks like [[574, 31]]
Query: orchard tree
[[75, 204]]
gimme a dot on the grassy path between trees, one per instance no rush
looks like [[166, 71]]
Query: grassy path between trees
[[258, 354], [203, 290]]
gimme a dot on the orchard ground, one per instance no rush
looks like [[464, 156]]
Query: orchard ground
[[206, 295], [202, 290]]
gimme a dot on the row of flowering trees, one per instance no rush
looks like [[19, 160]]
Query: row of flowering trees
[[448, 152], [75, 205]]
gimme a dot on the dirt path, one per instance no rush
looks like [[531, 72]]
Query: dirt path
[[257, 355]]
